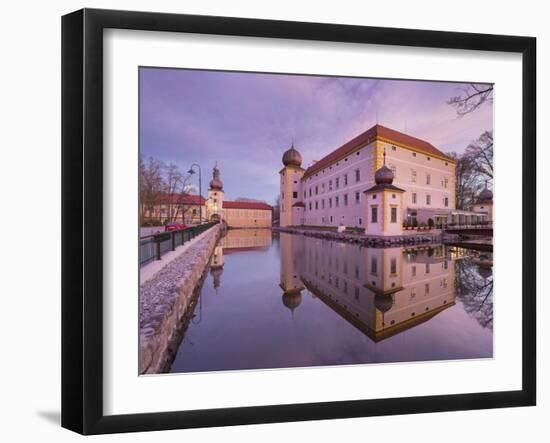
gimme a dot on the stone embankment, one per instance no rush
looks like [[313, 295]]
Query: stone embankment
[[413, 238], [165, 299]]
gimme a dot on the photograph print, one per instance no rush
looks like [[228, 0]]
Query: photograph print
[[294, 221]]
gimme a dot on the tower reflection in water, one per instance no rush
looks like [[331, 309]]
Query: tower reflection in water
[[283, 300], [381, 291]]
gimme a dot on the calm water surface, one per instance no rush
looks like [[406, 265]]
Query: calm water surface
[[284, 300]]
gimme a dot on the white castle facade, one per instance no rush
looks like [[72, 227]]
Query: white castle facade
[[379, 181]]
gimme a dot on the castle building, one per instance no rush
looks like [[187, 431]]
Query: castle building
[[194, 209], [331, 191]]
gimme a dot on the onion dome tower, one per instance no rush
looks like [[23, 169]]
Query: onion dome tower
[[291, 188], [216, 182], [214, 204], [384, 204], [485, 196], [292, 157]]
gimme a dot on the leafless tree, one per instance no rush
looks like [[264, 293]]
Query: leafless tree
[[475, 291], [151, 185], [471, 98], [481, 153]]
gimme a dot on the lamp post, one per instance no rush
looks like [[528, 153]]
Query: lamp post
[[192, 171]]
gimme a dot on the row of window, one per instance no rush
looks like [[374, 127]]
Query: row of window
[[330, 200], [323, 187], [428, 199]]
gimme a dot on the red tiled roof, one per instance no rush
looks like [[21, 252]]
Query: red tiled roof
[[298, 205], [370, 135], [246, 205], [186, 199]]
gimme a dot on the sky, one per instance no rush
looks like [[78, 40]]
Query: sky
[[246, 121]]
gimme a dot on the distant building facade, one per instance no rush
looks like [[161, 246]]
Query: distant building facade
[[192, 209], [331, 191]]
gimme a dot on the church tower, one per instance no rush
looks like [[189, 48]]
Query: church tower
[[290, 186], [214, 204]]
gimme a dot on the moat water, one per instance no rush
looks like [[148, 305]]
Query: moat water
[[283, 300]]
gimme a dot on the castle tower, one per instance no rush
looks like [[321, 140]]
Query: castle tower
[[291, 189], [214, 204], [384, 204]]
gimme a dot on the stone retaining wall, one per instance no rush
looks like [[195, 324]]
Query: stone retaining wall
[[372, 240], [165, 299]]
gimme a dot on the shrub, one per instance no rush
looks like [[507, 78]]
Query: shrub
[[430, 223]]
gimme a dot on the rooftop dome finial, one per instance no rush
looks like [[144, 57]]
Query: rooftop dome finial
[[384, 175], [216, 182], [292, 157]]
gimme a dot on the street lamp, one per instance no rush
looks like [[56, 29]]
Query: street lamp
[[192, 171]]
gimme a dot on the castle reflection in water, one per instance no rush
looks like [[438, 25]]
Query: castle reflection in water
[[380, 291]]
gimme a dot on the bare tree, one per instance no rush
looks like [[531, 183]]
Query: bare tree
[[466, 183], [471, 98], [475, 290], [151, 186], [481, 153]]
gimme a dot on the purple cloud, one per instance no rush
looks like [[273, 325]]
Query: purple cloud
[[245, 121]]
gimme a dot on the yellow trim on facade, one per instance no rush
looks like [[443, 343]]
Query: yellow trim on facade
[[383, 212], [420, 151]]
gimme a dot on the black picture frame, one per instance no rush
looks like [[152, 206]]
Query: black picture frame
[[82, 218]]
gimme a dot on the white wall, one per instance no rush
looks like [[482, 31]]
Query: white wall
[[30, 106]]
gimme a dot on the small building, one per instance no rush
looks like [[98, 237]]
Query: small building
[[484, 204]]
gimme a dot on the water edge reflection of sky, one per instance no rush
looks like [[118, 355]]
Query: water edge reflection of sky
[[284, 300]]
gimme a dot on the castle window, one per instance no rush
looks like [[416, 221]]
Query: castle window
[[428, 158], [413, 271], [360, 221], [310, 206], [345, 199], [337, 182], [373, 265], [357, 197], [336, 201], [323, 204], [414, 154], [427, 288], [374, 196], [330, 202], [316, 205], [374, 214], [413, 176], [393, 215], [428, 199], [310, 192], [445, 182], [393, 148], [428, 179], [393, 265], [345, 179], [316, 190], [357, 175], [330, 185], [394, 170], [446, 164], [414, 198], [295, 195], [446, 201]]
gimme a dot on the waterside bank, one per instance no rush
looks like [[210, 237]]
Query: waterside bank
[[166, 297]]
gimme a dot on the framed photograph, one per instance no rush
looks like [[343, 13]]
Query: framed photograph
[[268, 221]]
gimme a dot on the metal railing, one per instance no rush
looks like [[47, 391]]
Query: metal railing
[[153, 247]]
